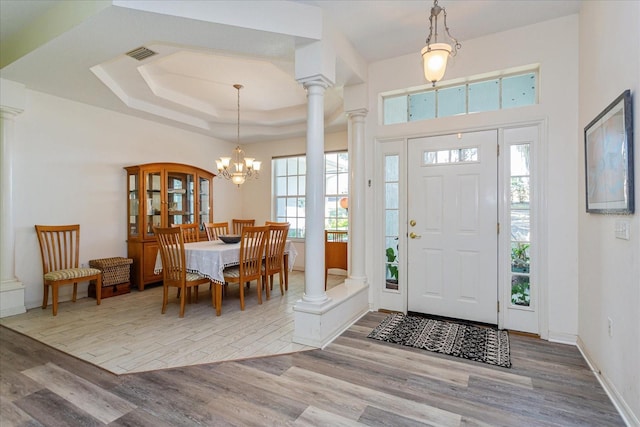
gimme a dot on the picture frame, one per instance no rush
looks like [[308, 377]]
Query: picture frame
[[608, 144]]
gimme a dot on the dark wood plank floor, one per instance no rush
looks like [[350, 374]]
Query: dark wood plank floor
[[354, 381]]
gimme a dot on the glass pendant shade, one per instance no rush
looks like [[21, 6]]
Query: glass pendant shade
[[434, 61], [237, 178]]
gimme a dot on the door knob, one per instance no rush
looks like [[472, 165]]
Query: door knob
[[414, 235], [412, 223]]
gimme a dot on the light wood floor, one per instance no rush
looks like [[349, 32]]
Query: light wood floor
[[352, 382], [127, 333]]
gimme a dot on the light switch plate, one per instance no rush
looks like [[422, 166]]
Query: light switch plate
[[622, 229]]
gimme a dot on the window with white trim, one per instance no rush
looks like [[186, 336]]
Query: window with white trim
[[289, 201]]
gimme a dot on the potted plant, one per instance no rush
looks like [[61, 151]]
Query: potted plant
[[392, 269], [520, 290], [520, 258]]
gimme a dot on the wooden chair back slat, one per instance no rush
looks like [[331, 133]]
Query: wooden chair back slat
[[191, 232], [171, 242], [274, 255], [215, 229], [239, 224], [59, 246], [274, 249], [60, 250], [252, 251], [171, 246]]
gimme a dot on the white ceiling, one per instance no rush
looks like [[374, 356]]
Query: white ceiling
[[189, 83]]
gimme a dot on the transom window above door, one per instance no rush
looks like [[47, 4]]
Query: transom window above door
[[473, 96]]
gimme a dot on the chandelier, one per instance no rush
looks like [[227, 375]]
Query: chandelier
[[435, 55], [242, 168]]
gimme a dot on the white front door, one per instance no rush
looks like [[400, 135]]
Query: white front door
[[452, 211]]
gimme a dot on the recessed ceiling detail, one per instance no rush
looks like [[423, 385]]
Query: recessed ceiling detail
[[195, 87]]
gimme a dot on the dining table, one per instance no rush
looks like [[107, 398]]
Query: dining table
[[209, 258]]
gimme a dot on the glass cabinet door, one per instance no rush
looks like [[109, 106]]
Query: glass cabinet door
[[180, 198], [204, 192], [134, 205], [153, 208]]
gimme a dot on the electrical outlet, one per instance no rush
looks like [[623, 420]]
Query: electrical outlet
[[610, 326]]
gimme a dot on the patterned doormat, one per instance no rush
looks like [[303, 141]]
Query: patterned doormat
[[482, 344]]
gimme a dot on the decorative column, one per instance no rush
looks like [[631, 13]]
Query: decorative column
[[11, 289], [357, 190], [314, 292]]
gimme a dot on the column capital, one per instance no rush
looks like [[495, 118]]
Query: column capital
[[316, 80], [9, 112], [360, 112]]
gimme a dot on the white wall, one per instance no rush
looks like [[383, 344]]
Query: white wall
[[609, 268], [67, 165], [557, 109]]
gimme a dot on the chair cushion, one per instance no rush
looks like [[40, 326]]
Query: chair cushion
[[71, 273], [194, 276], [235, 271], [232, 272]]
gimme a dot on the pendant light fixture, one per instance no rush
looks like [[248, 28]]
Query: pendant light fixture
[[243, 168], [434, 54]]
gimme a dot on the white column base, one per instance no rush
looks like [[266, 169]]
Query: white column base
[[355, 281], [11, 298], [317, 325]]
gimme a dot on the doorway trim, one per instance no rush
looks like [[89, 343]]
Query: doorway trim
[[397, 300]]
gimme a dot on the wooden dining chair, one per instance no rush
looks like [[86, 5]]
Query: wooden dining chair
[[174, 272], [275, 223], [191, 232], [250, 268], [274, 256], [60, 251], [215, 229], [335, 251], [239, 224]]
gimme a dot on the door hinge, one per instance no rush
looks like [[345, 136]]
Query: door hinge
[[498, 228], [498, 150], [498, 306]]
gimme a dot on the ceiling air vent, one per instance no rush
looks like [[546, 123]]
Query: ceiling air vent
[[140, 53]]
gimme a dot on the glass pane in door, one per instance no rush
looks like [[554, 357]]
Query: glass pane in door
[[134, 205], [392, 220], [520, 225], [203, 206], [153, 216], [180, 198]]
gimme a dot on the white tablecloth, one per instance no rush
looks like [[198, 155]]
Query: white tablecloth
[[210, 258]]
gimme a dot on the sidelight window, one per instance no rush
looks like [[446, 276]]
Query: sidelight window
[[520, 206]]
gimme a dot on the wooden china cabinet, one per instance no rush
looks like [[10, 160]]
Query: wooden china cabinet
[[160, 195]]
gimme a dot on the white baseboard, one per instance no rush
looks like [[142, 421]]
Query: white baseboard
[[562, 338], [317, 324], [618, 401], [12, 298]]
